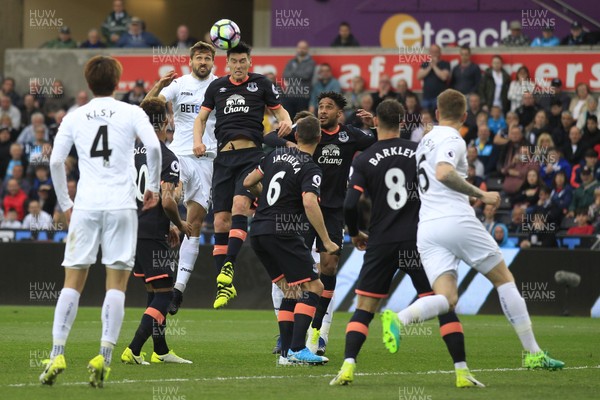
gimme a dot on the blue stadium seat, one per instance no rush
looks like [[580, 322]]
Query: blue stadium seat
[[22, 235], [42, 235], [59, 236]]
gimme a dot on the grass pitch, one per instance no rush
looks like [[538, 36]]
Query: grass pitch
[[232, 358]]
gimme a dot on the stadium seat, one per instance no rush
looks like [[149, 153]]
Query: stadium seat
[[7, 235], [504, 202], [23, 235], [59, 236], [42, 235], [494, 184]]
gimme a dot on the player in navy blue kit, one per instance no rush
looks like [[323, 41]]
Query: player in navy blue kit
[[153, 261], [292, 183], [339, 143], [387, 172], [239, 100]]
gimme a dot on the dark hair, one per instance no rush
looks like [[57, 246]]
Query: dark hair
[[325, 65], [202, 47], [344, 23], [156, 109], [337, 98], [591, 153], [524, 68], [593, 118], [308, 130], [452, 105], [390, 114], [302, 114], [241, 48], [564, 175], [102, 74], [545, 189], [9, 79], [466, 47], [581, 211], [498, 56]]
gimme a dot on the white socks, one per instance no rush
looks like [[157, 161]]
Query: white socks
[[188, 253], [424, 308], [113, 311], [327, 320], [515, 309], [277, 296], [64, 316]]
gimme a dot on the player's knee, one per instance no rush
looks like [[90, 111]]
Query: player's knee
[[452, 300]]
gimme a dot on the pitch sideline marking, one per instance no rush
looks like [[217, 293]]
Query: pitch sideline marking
[[242, 378]]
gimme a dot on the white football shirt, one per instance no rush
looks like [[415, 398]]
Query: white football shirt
[[103, 132], [187, 94], [442, 144]]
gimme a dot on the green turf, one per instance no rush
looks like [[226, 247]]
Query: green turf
[[231, 354]]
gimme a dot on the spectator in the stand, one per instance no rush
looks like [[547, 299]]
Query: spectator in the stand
[[8, 89], [474, 102], [63, 41], [4, 150], [53, 128], [136, 37], [47, 198], [58, 101], [517, 219], [184, 41], [11, 220], [352, 97], [18, 174], [528, 193], [366, 103], [16, 158], [540, 125], [590, 160], [527, 110], [136, 95], [325, 83], [93, 40], [518, 87], [510, 149], [412, 115], [384, 91], [81, 99], [35, 89], [562, 193], [466, 75], [591, 110], [345, 38], [500, 235], [574, 148], [496, 121], [297, 78], [515, 172], [540, 233], [501, 137], [494, 84], [28, 109], [7, 108], [115, 24], [553, 214], [576, 37], [555, 114], [435, 75], [485, 147], [27, 136], [516, 38], [489, 217], [591, 133], [583, 196], [476, 181], [545, 100], [579, 101], [472, 159], [594, 211], [402, 90], [426, 125], [15, 198], [38, 152], [561, 133], [582, 221], [37, 219], [552, 163], [547, 39]]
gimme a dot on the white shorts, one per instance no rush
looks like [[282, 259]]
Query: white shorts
[[443, 242], [114, 230], [196, 175]]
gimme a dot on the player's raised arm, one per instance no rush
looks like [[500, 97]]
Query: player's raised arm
[[285, 122], [62, 146], [163, 82], [199, 127]]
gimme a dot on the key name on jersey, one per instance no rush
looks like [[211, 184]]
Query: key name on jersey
[[393, 151]]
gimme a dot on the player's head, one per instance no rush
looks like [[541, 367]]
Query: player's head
[[102, 74], [302, 114], [239, 61], [331, 109], [390, 116], [202, 59], [451, 107], [156, 109], [308, 130]]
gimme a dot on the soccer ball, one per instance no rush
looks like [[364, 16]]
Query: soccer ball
[[225, 34]]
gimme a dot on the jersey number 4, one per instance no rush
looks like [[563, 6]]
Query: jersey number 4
[[104, 152]]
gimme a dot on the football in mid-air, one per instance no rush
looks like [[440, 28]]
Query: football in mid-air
[[225, 34]]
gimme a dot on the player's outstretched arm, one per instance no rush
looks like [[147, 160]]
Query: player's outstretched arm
[[446, 173], [199, 127], [315, 217], [170, 195], [285, 122], [163, 82]]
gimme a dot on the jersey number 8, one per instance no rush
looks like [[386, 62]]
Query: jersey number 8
[[397, 195]]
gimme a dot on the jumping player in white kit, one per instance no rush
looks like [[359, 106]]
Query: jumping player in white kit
[[449, 232], [105, 211], [186, 95]]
